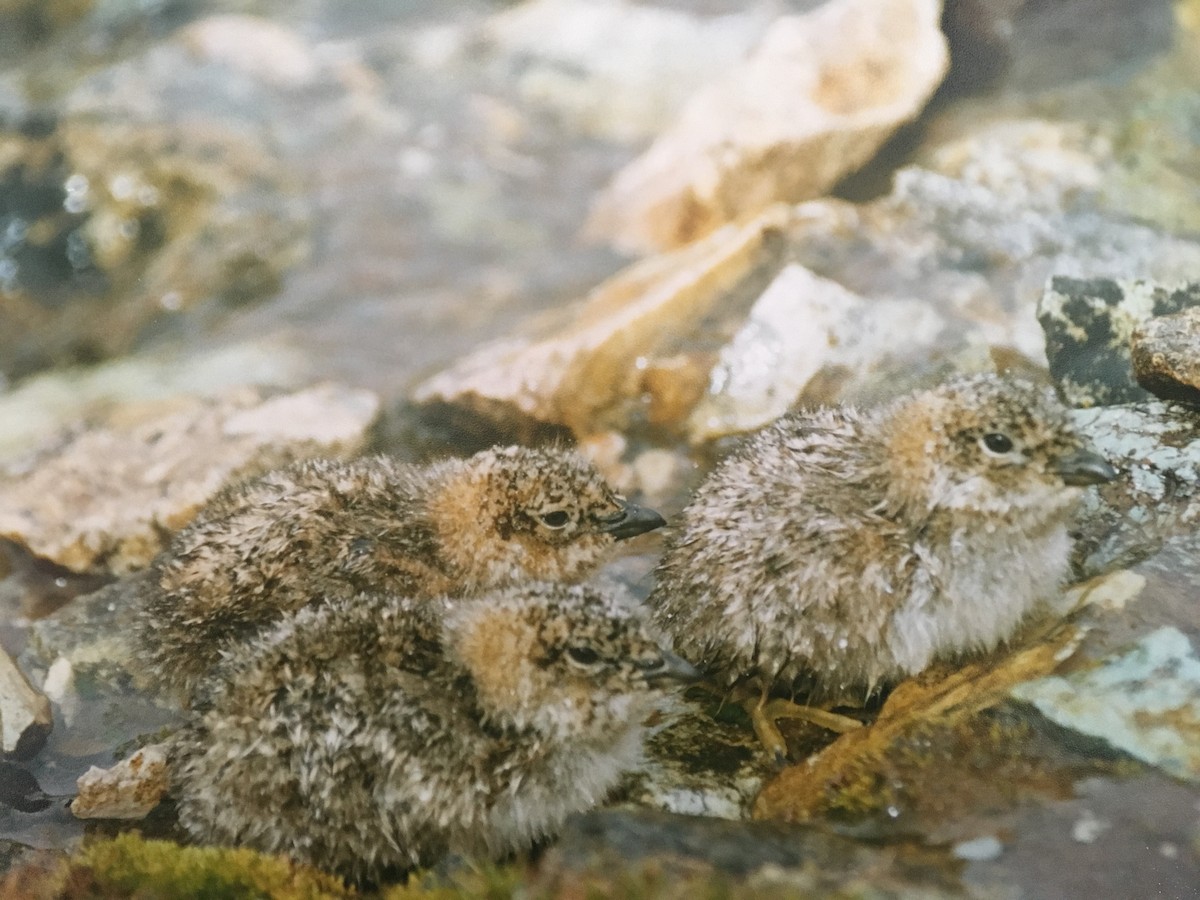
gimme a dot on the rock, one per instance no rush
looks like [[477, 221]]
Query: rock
[[815, 101], [1089, 325], [1145, 702], [974, 233], [128, 790], [43, 405], [25, 718], [136, 204], [1166, 355], [587, 374], [1156, 501], [36, 18], [618, 70], [108, 496], [700, 763], [800, 325], [639, 853], [20, 790], [254, 45], [1016, 45]]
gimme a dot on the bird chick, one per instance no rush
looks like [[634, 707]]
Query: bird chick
[[326, 529], [372, 735], [837, 551]]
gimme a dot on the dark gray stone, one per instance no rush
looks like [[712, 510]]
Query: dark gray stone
[[1089, 324]]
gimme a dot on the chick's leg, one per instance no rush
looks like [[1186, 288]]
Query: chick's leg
[[786, 709], [766, 729]]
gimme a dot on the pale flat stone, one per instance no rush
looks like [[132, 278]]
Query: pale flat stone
[[107, 496], [128, 790], [813, 103], [25, 717]]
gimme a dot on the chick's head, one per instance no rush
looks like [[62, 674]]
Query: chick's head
[[988, 445], [517, 513], [571, 663]]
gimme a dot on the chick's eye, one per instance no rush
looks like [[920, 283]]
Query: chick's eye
[[995, 442], [555, 519], [583, 656]]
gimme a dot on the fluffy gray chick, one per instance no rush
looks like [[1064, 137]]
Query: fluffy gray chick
[[840, 550], [372, 735]]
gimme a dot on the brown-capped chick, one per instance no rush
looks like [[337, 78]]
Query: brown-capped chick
[[326, 528], [372, 735], [838, 551]]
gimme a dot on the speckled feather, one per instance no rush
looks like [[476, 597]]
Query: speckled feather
[[840, 550], [371, 735], [327, 528]]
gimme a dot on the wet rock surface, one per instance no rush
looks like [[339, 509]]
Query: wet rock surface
[[391, 199]]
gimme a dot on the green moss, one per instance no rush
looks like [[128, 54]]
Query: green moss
[[128, 865]]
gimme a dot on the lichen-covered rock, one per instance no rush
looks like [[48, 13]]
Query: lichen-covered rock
[[1145, 701], [106, 497], [804, 110], [127, 790], [1156, 501], [1089, 325], [1166, 355]]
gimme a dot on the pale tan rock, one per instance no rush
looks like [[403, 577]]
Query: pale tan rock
[[128, 790], [619, 70], [813, 103], [1166, 355], [25, 717], [106, 497], [259, 47], [44, 404], [674, 385], [584, 374]]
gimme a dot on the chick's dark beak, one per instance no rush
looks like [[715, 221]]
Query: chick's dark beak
[[632, 521], [1084, 467], [672, 668]]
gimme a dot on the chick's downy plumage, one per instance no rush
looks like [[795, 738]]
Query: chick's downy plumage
[[325, 529], [371, 735], [837, 551]]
